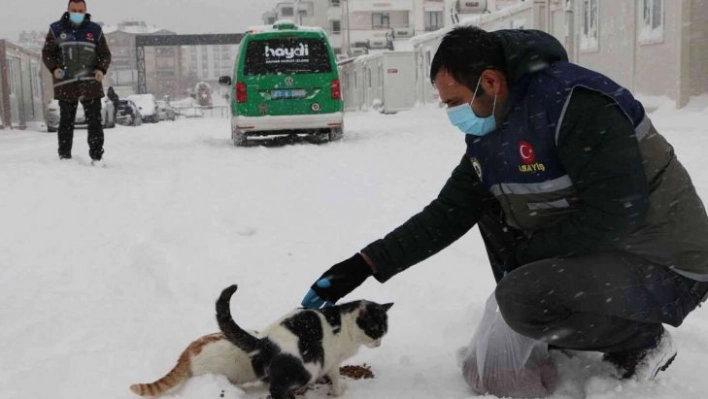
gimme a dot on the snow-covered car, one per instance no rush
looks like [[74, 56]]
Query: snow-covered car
[[147, 105], [128, 113], [165, 111], [53, 115]]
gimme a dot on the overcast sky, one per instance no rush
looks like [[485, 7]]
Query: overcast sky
[[181, 16]]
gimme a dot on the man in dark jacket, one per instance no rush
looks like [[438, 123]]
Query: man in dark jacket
[[77, 54], [594, 231]]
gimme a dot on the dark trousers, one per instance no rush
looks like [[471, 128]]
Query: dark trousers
[[115, 111], [92, 111], [609, 302]]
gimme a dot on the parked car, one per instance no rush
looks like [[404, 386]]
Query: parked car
[[147, 105], [54, 113], [128, 113], [165, 111]]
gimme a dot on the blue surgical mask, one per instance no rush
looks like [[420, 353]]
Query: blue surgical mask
[[465, 119], [76, 18]]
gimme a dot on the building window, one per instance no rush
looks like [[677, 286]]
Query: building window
[[334, 3], [433, 20], [287, 11], [589, 38], [380, 20], [165, 51], [651, 28], [335, 26]]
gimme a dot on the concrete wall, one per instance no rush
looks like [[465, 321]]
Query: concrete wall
[[698, 47], [658, 65], [614, 53]]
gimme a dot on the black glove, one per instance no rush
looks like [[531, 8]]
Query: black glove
[[337, 282]]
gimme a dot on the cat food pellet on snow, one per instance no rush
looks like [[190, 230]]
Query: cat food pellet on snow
[[357, 372]]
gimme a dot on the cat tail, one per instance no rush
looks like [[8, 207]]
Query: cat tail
[[174, 378], [235, 334]]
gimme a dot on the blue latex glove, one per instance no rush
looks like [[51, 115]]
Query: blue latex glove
[[312, 300]]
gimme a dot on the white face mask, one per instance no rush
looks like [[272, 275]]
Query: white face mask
[[465, 119]]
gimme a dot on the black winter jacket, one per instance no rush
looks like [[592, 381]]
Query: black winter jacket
[[80, 51], [627, 194]]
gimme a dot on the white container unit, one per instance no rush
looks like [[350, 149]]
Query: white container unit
[[399, 77], [383, 81]]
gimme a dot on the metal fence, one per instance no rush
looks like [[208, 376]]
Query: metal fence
[[196, 111]]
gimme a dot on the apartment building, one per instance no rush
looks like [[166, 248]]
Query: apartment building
[[356, 27], [208, 63], [326, 14], [170, 70], [161, 63], [653, 47]]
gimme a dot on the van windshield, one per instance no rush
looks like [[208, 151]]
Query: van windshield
[[287, 55]]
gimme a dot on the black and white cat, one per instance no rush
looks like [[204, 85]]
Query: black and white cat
[[306, 344]]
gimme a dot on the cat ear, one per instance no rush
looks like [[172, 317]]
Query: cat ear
[[361, 308], [387, 306]]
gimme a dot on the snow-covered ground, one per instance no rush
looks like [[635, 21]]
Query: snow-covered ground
[[106, 274]]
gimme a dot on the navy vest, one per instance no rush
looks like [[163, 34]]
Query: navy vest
[[78, 49], [519, 160], [523, 148]]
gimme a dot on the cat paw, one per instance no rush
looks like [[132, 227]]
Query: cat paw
[[337, 390]]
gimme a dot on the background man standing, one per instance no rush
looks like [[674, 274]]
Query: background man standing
[[77, 54]]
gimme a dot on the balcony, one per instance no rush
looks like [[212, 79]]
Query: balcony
[[377, 5], [471, 6]]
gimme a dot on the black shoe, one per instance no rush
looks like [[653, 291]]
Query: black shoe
[[644, 364], [65, 156], [96, 155]]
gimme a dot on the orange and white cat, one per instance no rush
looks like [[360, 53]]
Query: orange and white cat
[[296, 350], [210, 354]]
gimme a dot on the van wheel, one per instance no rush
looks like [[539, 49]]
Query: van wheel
[[336, 133], [239, 138]]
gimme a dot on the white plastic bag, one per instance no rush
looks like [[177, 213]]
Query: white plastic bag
[[501, 362]]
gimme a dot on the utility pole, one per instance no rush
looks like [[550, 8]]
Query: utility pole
[[298, 16], [413, 16], [349, 31]]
